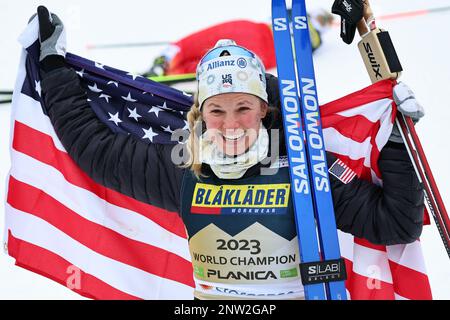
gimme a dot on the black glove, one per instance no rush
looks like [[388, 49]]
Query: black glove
[[351, 12], [52, 39]]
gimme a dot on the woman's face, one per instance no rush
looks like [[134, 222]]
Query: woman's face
[[233, 121]]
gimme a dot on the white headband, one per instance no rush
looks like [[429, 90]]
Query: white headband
[[231, 73]]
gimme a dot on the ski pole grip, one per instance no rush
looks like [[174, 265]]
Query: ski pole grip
[[377, 49], [323, 271], [379, 56]]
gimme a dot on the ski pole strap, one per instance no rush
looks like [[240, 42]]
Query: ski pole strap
[[323, 271]]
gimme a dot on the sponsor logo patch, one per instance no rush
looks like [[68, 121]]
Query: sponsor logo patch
[[227, 80], [219, 64], [341, 171], [242, 63], [256, 199]]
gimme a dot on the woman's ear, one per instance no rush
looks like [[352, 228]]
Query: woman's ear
[[264, 109]]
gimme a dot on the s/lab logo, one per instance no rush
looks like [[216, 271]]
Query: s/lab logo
[[242, 63]]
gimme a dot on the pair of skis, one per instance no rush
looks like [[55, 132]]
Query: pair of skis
[[322, 269]]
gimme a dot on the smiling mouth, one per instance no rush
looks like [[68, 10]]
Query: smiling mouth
[[232, 137]]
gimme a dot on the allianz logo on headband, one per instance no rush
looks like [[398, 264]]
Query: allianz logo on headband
[[240, 62]]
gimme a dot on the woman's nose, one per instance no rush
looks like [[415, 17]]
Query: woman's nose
[[231, 122]]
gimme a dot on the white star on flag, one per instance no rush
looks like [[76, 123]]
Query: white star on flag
[[149, 134], [115, 118], [114, 83], [133, 114], [164, 106], [134, 76], [154, 109], [186, 125], [129, 98], [80, 73], [37, 87], [187, 94], [94, 88], [99, 65], [167, 129], [105, 96]]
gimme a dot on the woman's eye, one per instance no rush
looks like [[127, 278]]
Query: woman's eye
[[216, 111]]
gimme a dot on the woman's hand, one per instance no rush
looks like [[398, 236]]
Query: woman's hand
[[52, 37], [406, 104], [52, 34]]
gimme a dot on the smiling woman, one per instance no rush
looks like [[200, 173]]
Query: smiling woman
[[235, 119], [234, 211], [232, 102]]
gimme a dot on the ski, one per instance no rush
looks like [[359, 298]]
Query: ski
[[173, 79], [321, 267], [316, 147]]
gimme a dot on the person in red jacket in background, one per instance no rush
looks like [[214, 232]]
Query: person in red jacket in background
[[182, 57]]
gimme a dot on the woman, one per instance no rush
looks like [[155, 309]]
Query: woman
[[234, 203]]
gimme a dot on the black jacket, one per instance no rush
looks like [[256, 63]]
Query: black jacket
[[389, 215]]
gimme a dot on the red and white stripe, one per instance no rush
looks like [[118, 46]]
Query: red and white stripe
[[356, 128]]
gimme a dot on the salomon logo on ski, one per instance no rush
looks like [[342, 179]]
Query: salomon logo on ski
[[300, 23], [280, 24], [315, 140], [295, 141]]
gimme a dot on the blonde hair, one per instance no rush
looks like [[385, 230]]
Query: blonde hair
[[195, 122]]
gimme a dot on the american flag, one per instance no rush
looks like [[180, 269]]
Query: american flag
[[341, 171], [105, 245]]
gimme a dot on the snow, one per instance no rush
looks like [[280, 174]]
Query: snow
[[419, 40]]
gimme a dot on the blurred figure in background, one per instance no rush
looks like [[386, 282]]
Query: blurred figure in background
[[182, 57]]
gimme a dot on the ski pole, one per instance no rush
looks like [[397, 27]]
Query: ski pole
[[434, 201], [382, 63]]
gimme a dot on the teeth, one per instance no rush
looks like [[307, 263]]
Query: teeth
[[233, 137]]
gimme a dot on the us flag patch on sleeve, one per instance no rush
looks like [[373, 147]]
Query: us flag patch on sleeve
[[341, 171]]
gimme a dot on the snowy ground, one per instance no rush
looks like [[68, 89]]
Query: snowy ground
[[420, 42]]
